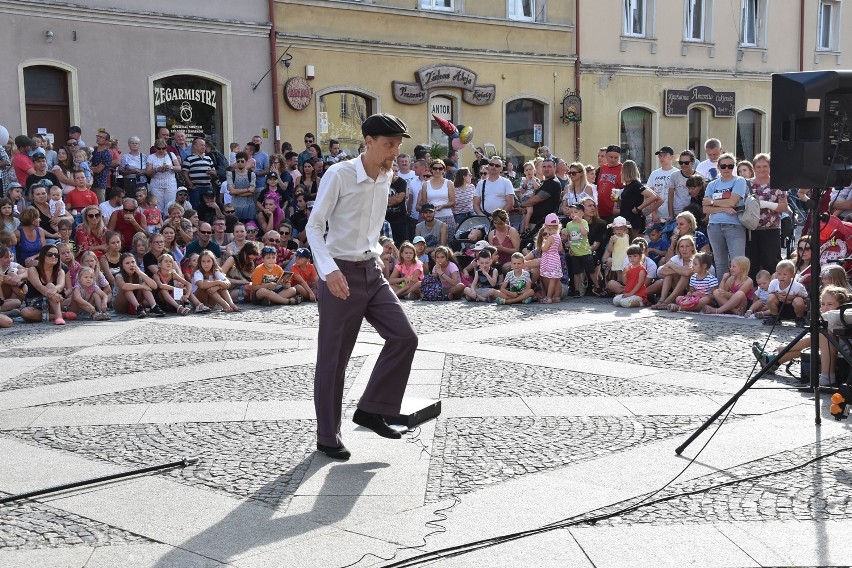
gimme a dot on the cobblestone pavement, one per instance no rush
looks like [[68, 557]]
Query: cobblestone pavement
[[702, 345], [282, 383], [151, 333], [262, 461], [97, 366], [471, 453], [816, 492], [28, 525], [473, 376]]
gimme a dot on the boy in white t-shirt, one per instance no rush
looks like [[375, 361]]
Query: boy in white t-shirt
[[787, 298], [517, 284]]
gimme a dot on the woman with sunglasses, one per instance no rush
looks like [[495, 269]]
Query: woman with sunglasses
[[440, 192], [160, 170], [46, 282], [91, 233], [803, 261], [578, 187], [723, 195]]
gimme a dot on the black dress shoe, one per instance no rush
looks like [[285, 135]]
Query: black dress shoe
[[336, 453], [376, 423]]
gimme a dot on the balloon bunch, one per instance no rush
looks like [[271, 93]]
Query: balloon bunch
[[4, 135], [460, 136]]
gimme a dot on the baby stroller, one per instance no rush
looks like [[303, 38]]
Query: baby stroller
[[462, 240], [835, 241]]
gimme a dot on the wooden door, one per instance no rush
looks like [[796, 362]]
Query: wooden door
[[46, 92]]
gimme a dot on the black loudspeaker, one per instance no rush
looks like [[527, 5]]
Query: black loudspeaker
[[810, 131]]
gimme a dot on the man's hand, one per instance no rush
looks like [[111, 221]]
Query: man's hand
[[337, 284]]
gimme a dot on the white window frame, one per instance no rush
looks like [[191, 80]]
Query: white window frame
[[627, 28], [833, 25], [515, 10], [437, 5], [758, 7], [690, 13]]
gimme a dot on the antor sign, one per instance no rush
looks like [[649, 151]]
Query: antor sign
[[443, 76], [678, 102], [298, 93]]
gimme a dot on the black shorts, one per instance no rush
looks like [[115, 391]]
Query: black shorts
[[786, 312], [585, 263]]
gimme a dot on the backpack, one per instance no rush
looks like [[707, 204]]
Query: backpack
[[749, 216], [431, 289]]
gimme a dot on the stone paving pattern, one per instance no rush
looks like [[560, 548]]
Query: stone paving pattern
[[465, 376], [263, 461], [29, 525], [712, 347], [470, 453], [281, 383], [96, 366], [151, 333]]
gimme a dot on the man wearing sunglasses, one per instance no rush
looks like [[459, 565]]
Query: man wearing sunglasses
[[679, 196], [127, 221], [204, 241], [494, 191]]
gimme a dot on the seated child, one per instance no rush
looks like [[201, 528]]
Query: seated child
[[406, 275], [701, 286], [485, 279], [635, 293], [305, 275], [761, 295], [787, 297], [616, 250], [420, 250], [658, 245], [447, 273], [88, 297], [517, 284], [734, 291], [270, 282]]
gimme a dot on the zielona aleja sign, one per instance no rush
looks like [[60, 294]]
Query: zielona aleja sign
[[441, 77]]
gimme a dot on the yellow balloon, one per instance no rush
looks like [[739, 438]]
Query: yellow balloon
[[466, 134]]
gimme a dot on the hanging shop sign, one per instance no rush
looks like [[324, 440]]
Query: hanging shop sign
[[298, 93], [440, 77], [190, 104], [572, 107], [678, 101]]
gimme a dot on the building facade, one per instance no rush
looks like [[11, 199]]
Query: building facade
[[129, 68]]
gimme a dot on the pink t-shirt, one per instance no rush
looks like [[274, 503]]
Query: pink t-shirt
[[451, 269], [407, 271]]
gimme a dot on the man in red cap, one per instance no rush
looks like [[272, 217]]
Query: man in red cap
[[352, 201]]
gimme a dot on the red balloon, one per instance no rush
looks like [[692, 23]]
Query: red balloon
[[447, 127]]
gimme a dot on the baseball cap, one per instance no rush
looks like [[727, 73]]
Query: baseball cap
[[665, 150], [427, 207], [551, 219], [383, 124], [579, 206], [39, 156], [271, 175], [418, 239], [22, 140], [13, 185], [303, 253], [45, 183], [654, 227], [182, 189], [75, 130], [208, 193], [480, 245]]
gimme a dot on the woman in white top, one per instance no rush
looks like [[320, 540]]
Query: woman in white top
[[160, 169], [441, 193], [578, 187], [134, 163]]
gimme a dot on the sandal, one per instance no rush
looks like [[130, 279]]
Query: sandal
[[183, 310], [545, 301], [660, 306], [674, 308], [201, 309], [295, 300], [59, 321], [708, 310]]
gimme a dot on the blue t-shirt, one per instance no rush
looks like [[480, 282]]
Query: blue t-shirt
[[718, 189], [662, 244], [261, 160]]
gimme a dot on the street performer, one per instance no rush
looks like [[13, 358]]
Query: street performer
[[352, 200]]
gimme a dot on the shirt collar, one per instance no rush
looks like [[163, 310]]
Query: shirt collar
[[361, 173]]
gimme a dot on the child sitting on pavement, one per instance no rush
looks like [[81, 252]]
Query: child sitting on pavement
[[517, 283], [87, 297], [406, 275], [787, 297], [635, 293], [305, 275], [734, 291], [485, 279], [447, 273], [701, 286], [761, 295], [270, 283], [658, 245]]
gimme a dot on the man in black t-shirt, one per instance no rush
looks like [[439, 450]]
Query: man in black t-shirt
[[546, 198]]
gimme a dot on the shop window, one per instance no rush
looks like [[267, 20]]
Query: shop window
[[444, 107], [696, 20], [523, 10], [749, 129], [828, 26], [443, 5], [526, 129], [47, 101], [191, 104], [636, 18], [340, 116], [752, 23], [636, 137], [696, 132]]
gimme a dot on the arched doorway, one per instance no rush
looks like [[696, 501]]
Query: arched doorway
[[46, 101], [340, 114]]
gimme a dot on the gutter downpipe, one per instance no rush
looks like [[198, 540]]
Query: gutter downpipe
[[273, 59], [577, 73]]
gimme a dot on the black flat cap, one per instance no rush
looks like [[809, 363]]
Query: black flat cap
[[383, 124]]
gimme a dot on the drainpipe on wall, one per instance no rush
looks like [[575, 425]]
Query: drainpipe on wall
[[273, 60], [802, 35], [577, 73]]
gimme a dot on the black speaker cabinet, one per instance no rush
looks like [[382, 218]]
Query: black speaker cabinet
[[810, 132]]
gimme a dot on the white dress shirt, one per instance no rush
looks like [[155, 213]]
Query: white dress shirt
[[354, 206]]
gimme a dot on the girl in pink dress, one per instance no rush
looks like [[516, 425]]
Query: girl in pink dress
[[550, 269], [406, 275]]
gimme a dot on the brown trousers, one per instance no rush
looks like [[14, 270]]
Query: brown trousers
[[370, 297]]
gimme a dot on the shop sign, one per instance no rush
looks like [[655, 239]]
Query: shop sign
[[443, 76], [190, 104], [679, 101], [298, 93]]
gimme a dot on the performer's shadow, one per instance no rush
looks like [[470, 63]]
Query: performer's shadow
[[253, 526]]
